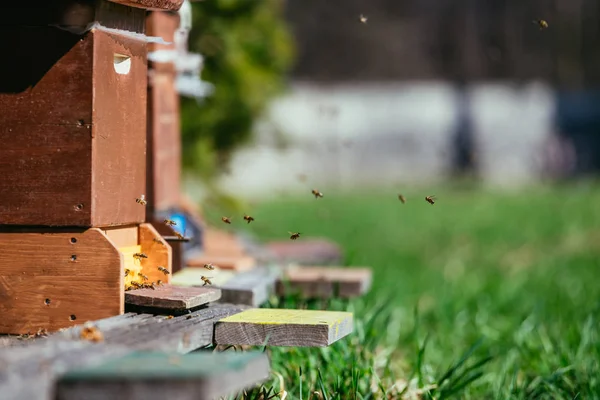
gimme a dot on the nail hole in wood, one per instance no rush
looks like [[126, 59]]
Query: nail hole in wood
[[79, 207], [72, 317], [73, 257], [73, 240], [47, 302], [80, 122]]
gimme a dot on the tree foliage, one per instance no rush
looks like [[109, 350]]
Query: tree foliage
[[247, 51]]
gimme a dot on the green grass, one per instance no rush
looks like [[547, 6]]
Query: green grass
[[482, 295]]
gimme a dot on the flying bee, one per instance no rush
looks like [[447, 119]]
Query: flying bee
[[179, 236], [141, 200], [209, 266], [158, 282], [402, 198], [430, 199], [127, 272], [169, 222], [248, 218], [543, 24], [138, 256], [362, 19], [144, 277], [227, 220], [316, 193], [164, 270], [206, 280], [294, 235]]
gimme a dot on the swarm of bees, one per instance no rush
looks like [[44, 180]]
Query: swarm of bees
[[209, 266], [141, 200], [227, 220], [206, 280], [543, 24], [316, 193], [294, 235], [91, 333], [164, 270], [248, 218]]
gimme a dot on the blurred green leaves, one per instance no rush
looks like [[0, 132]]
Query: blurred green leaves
[[247, 51]]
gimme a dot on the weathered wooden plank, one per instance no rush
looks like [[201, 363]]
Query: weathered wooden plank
[[324, 282], [252, 287], [172, 297], [278, 327], [306, 252], [159, 254], [237, 263], [148, 376], [55, 280], [166, 5], [27, 372]]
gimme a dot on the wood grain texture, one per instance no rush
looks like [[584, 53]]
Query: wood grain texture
[[123, 236], [147, 376], [27, 372], [159, 254], [164, 143], [119, 131], [315, 251], [279, 327], [236, 263], [324, 282], [173, 5], [172, 297], [252, 288], [72, 130], [81, 279]]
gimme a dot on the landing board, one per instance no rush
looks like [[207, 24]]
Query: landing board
[[172, 297], [325, 282], [279, 327]]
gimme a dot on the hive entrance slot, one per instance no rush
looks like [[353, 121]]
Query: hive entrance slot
[[122, 64]]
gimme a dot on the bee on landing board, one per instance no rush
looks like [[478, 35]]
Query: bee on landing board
[[430, 199], [138, 256], [316, 193], [144, 277], [362, 19], [136, 285], [169, 222], [164, 270], [248, 218], [92, 334], [141, 200], [209, 266], [158, 282], [543, 24], [294, 235], [206, 280], [402, 198], [227, 220]]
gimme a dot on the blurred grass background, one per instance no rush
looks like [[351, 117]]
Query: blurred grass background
[[513, 273]]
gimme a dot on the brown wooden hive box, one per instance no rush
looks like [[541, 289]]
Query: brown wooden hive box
[[72, 128]]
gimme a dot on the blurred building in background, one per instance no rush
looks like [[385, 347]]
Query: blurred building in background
[[428, 89]]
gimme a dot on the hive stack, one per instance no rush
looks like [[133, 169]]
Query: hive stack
[[73, 161]]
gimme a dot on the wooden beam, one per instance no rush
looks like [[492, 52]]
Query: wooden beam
[[252, 288], [170, 297], [142, 376], [324, 282], [278, 327], [306, 252]]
